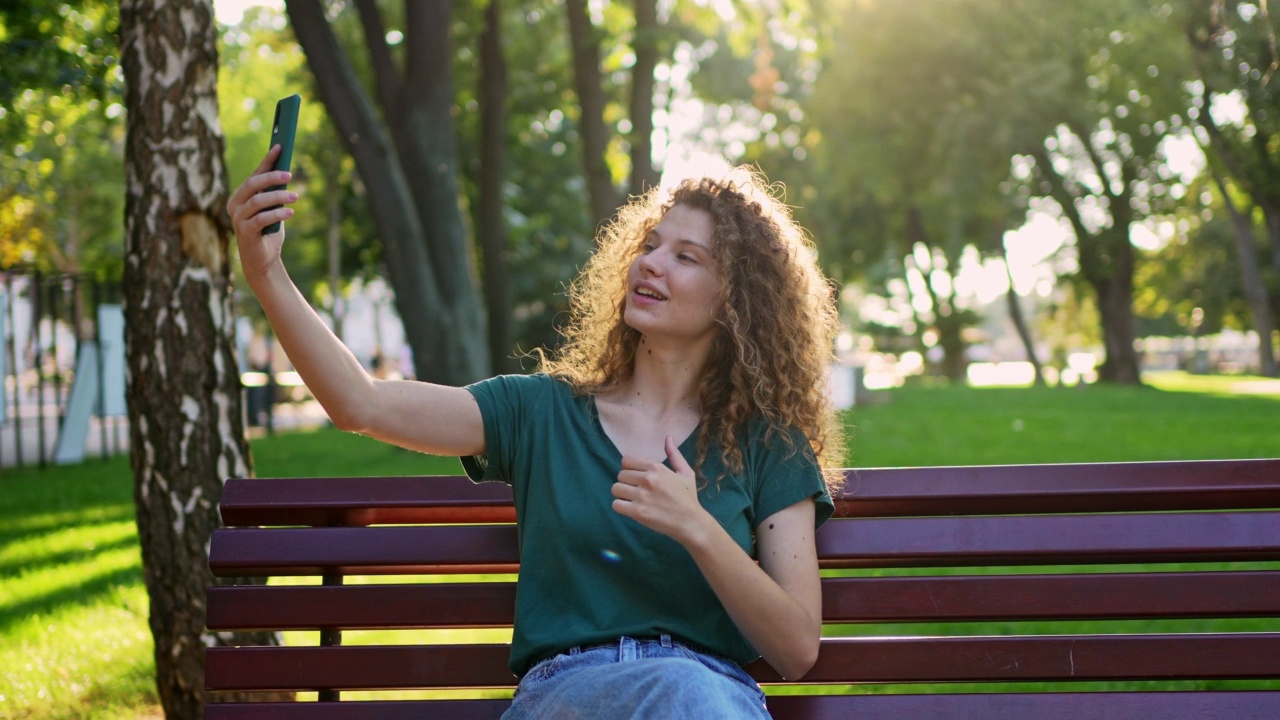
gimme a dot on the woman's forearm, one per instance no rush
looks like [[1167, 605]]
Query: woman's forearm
[[327, 367], [783, 623]]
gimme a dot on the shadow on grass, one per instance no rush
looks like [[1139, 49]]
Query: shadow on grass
[[77, 594], [21, 524], [10, 569]]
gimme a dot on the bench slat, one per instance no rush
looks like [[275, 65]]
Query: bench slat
[[850, 543], [1236, 705], [1016, 658], [312, 607], [1101, 596], [877, 492], [364, 501], [1062, 488], [1049, 539], [374, 710], [889, 660], [844, 600], [357, 551]]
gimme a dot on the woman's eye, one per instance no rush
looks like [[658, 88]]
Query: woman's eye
[[686, 257]]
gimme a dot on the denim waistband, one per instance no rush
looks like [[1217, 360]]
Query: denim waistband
[[619, 644]]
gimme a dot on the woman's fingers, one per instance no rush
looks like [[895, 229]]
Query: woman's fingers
[[263, 177], [254, 186], [268, 160], [250, 211]]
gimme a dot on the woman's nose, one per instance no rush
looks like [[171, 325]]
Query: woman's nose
[[649, 263]]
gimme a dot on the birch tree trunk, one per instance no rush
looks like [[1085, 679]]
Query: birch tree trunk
[[185, 419]]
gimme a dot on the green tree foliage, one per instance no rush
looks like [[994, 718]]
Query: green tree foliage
[[61, 122], [912, 137], [1235, 108], [935, 124]]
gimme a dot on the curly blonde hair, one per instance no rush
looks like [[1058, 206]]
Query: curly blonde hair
[[778, 319]]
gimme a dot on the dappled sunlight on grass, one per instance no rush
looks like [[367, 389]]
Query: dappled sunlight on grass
[[1179, 381]]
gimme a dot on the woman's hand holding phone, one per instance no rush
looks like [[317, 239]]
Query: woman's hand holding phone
[[257, 207], [253, 207]]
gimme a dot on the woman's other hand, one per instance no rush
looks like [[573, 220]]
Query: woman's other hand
[[661, 498], [249, 209]]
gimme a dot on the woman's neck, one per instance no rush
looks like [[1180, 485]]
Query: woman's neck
[[664, 379]]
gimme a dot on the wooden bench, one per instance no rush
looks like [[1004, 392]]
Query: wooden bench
[[925, 545]]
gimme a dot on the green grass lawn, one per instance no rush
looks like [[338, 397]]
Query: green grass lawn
[[73, 633]]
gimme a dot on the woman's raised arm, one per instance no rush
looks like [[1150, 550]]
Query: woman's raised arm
[[421, 416]]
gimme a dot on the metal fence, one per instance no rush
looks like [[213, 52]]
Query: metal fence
[[61, 368]]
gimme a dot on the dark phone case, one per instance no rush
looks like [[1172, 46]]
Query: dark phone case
[[283, 127]]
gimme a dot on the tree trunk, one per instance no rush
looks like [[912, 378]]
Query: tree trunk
[[493, 157], [1255, 291], [643, 175], [445, 331], [422, 128], [595, 139], [1020, 322], [1107, 264], [186, 423]]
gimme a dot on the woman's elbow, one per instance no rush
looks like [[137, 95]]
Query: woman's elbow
[[347, 416], [799, 662]]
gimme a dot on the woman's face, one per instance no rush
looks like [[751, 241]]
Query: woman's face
[[672, 287]]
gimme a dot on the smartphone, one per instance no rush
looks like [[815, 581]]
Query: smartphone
[[283, 128]]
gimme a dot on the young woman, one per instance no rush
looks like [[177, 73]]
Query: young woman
[[666, 462]]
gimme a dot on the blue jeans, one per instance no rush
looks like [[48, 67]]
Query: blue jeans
[[645, 679]]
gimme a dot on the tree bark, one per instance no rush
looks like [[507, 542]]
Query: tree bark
[[407, 180], [186, 422], [1255, 290], [493, 159], [595, 139], [643, 174]]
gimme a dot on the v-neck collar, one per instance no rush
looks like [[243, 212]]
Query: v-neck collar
[[686, 446]]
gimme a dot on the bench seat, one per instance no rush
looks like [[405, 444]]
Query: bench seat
[[1152, 587]]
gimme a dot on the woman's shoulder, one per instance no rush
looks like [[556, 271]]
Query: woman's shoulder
[[765, 439]]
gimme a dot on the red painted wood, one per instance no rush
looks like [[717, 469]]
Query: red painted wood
[[845, 600], [899, 517], [840, 660], [1017, 658], [364, 501], [364, 551], [1239, 705], [374, 710], [871, 492], [871, 542], [1049, 539], [1051, 597], [1039, 706], [1061, 488], [363, 667], [440, 605]]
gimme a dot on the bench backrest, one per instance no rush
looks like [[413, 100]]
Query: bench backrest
[[908, 545]]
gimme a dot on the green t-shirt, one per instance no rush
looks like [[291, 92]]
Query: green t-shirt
[[589, 575]]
